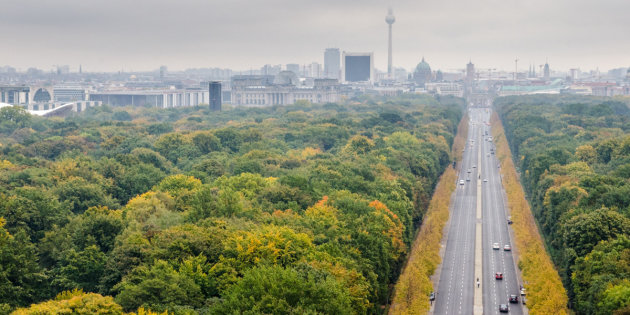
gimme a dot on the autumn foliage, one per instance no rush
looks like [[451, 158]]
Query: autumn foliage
[[545, 293], [414, 284]]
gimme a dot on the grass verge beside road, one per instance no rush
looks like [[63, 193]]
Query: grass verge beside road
[[545, 293], [411, 293]]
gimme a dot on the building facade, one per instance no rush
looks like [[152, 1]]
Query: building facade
[[153, 98], [284, 89], [332, 63], [68, 93], [215, 95], [358, 67]]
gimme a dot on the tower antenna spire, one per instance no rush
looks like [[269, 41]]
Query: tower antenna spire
[[390, 19]]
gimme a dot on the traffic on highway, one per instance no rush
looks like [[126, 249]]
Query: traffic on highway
[[478, 274]]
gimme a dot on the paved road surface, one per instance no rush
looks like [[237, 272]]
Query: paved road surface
[[457, 284]]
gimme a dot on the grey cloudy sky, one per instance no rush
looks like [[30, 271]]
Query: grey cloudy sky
[[108, 35]]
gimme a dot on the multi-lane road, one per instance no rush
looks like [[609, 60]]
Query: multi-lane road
[[478, 219]]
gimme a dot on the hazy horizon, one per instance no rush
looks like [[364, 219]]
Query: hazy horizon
[[242, 35]]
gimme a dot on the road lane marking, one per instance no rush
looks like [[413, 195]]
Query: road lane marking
[[478, 292]]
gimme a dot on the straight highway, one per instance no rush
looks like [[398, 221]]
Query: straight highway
[[482, 224]]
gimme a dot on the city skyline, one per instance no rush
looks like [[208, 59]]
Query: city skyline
[[244, 35]]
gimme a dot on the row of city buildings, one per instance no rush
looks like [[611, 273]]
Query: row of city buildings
[[344, 74]]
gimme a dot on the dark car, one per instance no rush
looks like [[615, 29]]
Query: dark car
[[503, 308], [513, 298], [432, 296]]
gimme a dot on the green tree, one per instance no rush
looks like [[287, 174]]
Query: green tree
[[278, 290]]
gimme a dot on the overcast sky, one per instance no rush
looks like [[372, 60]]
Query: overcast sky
[[110, 35]]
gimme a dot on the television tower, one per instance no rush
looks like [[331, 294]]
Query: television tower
[[390, 19]]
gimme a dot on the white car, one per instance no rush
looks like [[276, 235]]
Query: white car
[[485, 180], [507, 247], [495, 246], [461, 182]]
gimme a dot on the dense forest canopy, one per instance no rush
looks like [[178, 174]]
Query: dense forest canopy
[[301, 209], [574, 157]]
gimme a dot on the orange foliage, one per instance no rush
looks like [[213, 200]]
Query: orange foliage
[[546, 295], [395, 226], [414, 284], [459, 143]]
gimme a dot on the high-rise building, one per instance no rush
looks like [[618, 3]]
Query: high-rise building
[[546, 71], [390, 19], [332, 63], [470, 73], [215, 95], [358, 67], [270, 69], [163, 71], [293, 67], [315, 70]]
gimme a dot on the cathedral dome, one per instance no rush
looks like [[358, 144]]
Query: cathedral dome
[[423, 73], [423, 66]]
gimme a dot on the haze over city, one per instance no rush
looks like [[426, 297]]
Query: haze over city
[[241, 35]]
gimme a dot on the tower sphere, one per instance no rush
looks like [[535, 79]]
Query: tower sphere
[[390, 19]]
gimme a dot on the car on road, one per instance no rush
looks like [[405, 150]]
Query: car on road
[[432, 296], [474, 166], [523, 291], [498, 276], [523, 300], [495, 246], [507, 247], [461, 182], [467, 179], [513, 298], [469, 170], [503, 308], [485, 180]]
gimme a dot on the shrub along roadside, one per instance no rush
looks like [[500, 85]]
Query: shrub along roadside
[[411, 293], [545, 293]]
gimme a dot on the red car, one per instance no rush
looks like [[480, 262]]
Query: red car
[[498, 276]]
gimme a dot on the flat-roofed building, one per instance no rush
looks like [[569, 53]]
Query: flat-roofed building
[[357, 67], [153, 98], [283, 89], [67, 93]]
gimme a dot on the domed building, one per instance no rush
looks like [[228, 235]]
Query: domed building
[[286, 78], [423, 73]]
